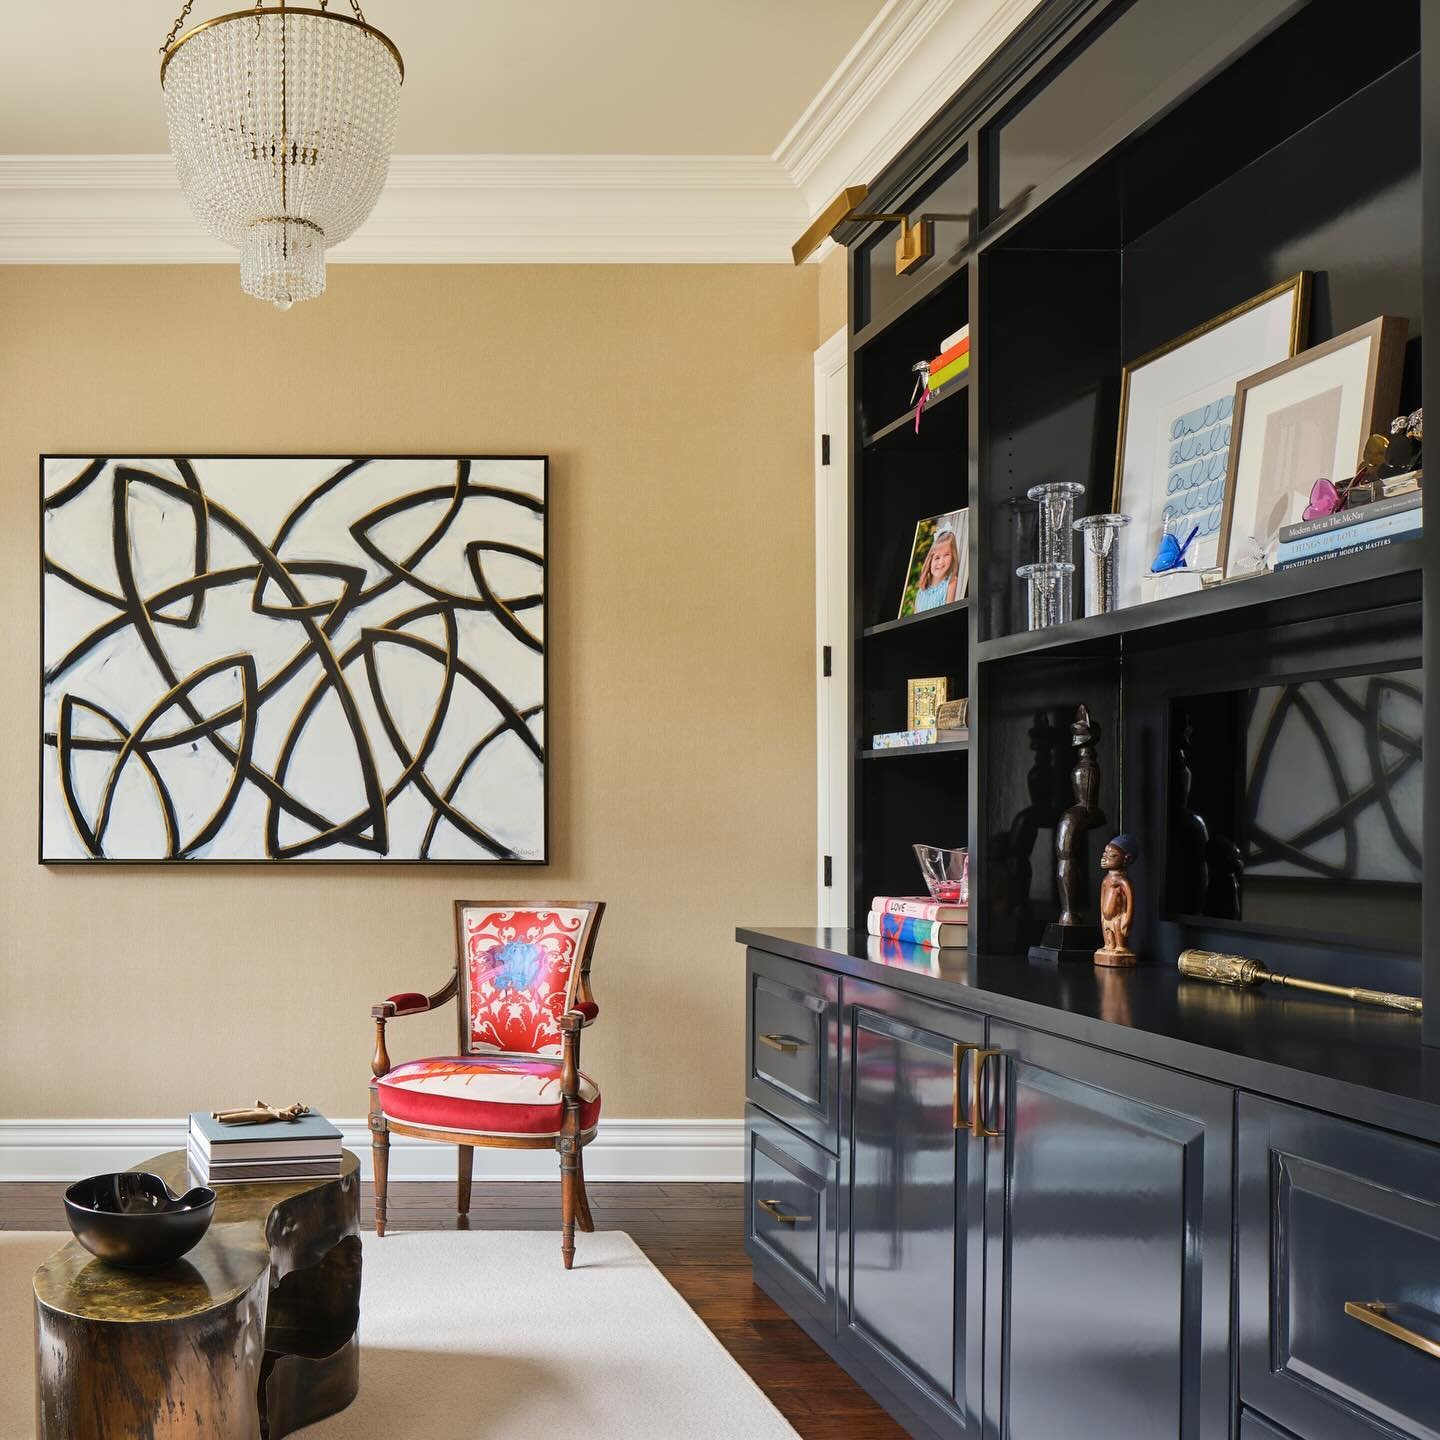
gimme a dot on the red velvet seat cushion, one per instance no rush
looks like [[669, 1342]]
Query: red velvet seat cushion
[[484, 1094]]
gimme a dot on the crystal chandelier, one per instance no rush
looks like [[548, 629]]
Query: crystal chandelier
[[281, 122]]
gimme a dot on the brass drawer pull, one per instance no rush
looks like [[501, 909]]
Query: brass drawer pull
[[772, 1209], [978, 1128], [1377, 1314], [959, 1120], [786, 1044]]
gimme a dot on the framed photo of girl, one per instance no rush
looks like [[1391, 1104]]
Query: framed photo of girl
[[939, 569]]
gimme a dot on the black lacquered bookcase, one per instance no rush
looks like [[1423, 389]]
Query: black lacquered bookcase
[[1116, 175]]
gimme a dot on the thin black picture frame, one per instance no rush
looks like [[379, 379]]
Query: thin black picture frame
[[300, 861]]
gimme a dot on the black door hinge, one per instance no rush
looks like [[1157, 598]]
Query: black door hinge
[[825, 661], [829, 874], [824, 449]]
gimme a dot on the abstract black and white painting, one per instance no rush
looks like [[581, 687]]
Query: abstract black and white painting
[[311, 658]]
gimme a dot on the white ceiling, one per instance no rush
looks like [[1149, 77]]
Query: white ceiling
[[581, 77]]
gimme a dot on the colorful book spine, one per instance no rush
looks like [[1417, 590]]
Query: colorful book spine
[[905, 930], [939, 378], [1344, 519], [1325, 555], [1406, 522], [948, 357], [903, 739], [918, 907], [951, 341]]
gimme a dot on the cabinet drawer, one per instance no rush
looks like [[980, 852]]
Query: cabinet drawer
[[1339, 1276], [791, 1031], [1257, 1427], [790, 1195]]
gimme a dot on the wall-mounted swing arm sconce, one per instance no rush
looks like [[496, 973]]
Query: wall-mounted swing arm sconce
[[916, 241]]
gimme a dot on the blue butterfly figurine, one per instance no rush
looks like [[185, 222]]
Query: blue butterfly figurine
[[1171, 554]]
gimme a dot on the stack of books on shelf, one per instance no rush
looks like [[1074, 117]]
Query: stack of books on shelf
[[952, 725], [950, 365], [919, 920], [1366, 527], [303, 1149]]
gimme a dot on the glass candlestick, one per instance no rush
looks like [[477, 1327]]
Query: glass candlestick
[[1056, 504], [1102, 559], [1050, 597]]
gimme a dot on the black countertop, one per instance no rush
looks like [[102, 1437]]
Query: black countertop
[[1353, 1060]]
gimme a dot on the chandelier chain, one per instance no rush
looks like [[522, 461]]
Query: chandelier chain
[[177, 26]]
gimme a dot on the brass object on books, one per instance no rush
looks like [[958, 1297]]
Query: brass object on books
[[1117, 905], [260, 1114], [1237, 970], [925, 698]]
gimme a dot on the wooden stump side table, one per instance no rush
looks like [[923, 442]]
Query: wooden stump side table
[[248, 1337]]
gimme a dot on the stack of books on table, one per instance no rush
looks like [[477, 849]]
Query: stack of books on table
[[919, 920], [303, 1149], [951, 364], [1366, 527]]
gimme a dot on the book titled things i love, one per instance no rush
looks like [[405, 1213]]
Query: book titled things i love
[[921, 907]]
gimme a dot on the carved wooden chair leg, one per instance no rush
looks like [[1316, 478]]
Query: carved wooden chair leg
[[582, 1200], [462, 1199], [569, 1148], [380, 1151]]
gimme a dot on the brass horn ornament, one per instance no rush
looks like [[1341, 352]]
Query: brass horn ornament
[[1237, 971]]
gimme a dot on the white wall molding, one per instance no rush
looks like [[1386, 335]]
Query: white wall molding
[[556, 209], [915, 55], [457, 209], [653, 1150]]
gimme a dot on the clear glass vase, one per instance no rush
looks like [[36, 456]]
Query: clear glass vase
[[1101, 542], [1051, 596], [1055, 540]]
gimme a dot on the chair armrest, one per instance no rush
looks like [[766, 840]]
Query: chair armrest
[[409, 1002]]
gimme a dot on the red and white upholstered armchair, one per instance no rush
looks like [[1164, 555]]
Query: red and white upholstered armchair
[[522, 978]]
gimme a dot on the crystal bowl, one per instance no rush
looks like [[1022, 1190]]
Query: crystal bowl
[[133, 1219], [946, 872]]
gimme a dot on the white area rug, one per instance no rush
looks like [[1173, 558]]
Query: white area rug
[[481, 1335]]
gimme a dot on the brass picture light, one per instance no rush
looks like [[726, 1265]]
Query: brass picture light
[[914, 243]]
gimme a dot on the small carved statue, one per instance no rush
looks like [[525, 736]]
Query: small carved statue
[[1117, 904], [261, 1114], [1081, 817]]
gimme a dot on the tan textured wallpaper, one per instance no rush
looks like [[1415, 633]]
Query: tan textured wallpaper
[[674, 402], [832, 306]]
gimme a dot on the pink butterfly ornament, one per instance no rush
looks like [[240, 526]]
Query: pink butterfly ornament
[[1325, 499]]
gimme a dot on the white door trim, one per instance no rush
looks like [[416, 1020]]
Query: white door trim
[[833, 743]]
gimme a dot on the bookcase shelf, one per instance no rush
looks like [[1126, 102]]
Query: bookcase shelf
[[1375, 579], [926, 617], [940, 747], [903, 428]]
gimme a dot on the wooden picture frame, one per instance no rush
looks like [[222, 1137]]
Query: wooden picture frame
[[1347, 399]]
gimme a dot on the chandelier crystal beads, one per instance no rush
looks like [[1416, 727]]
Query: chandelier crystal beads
[[281, 123]]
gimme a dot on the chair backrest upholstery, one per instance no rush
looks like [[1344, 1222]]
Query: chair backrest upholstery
[[521, 966]]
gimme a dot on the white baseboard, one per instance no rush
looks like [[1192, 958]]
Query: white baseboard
[[655, 1150]]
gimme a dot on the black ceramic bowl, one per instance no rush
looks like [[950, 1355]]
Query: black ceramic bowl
[[134, 1219]]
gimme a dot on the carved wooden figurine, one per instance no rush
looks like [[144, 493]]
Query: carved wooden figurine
[[1117, 904], [1072, 936]]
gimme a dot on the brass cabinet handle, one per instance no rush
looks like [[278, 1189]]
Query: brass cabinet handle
[[787, 1044], [978, 1128], [959, 1120], [1377, 1314], [772, 1208]]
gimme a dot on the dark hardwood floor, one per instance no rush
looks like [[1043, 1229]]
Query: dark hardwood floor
[[692, 1233]]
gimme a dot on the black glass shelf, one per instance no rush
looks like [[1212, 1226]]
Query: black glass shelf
[[1368, 581], [943, 611]]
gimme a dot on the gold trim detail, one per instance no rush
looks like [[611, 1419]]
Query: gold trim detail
[[786, 1044], [280, 14], [978, 1128], [1299, 330], [772, 1209], [1375, 1313]]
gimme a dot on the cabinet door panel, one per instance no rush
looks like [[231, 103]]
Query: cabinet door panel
[[911, 1202], [1108, 1234]]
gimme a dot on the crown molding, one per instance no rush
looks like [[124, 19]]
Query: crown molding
[[457, 209], [911, 60]]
